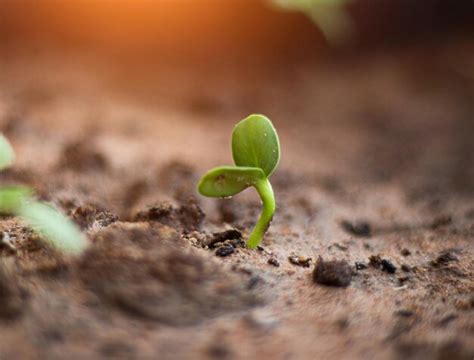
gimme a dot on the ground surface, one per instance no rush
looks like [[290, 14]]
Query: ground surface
[[385, 139]]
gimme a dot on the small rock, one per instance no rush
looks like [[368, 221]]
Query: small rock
[[405, 268], [225, 250], [446, 256], [360, 266], [382, 264], [359, 228], [403, 279], [387, 266], [404, 313], [105, 218], [332, 273], [405, 252], [300, 260], [274, 262]]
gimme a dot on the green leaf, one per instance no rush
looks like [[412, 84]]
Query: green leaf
[[7, 155], [227, 181], [61, 232], [13, 197], [255, 144]]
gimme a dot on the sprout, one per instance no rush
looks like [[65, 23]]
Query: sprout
[[256, 153], [330, 16], [44, 219]]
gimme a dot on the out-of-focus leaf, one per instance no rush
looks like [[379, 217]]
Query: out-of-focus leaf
[[13, 197], [53, 226], [7, 155], [330, 16]]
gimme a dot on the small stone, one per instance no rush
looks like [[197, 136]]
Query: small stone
[[332, 273], [360, 266], [359, 228], [405, 268], [387, 266], [382, 264], [225, 250], [300, 260], [274, 262], [404, 313], [405, 252], [446, 256]]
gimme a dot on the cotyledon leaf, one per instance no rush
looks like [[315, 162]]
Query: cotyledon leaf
[[13, 197], [7, 155], [255, 143], [227, 181]]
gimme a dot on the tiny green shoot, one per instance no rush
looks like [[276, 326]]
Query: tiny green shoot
[[256, 153], [44, 219], [331, 16]]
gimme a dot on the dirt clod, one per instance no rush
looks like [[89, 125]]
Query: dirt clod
[[232, 234], [188, 217], [387, 266], [404, 313], [332, 273], [359, 228], [161, 212], [191, 215], [87, 216], [274, 262], [300, 260], [382, 264], [405, 252], [225, 250], [144, 271], [446, 256]]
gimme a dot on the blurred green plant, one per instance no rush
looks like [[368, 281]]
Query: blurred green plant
[[44, 219], [329, 15], [256, 153]]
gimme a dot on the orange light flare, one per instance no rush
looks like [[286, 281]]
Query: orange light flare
[[153, 26]]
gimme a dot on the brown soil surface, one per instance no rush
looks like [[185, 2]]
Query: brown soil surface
[[377, 174]]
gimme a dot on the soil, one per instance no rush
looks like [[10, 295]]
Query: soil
[[376, 178]]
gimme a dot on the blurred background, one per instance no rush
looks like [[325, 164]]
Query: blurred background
[[206, 29]]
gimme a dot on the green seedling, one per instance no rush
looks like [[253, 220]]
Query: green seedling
[[256, 153], [44, 219], [331, 16]]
